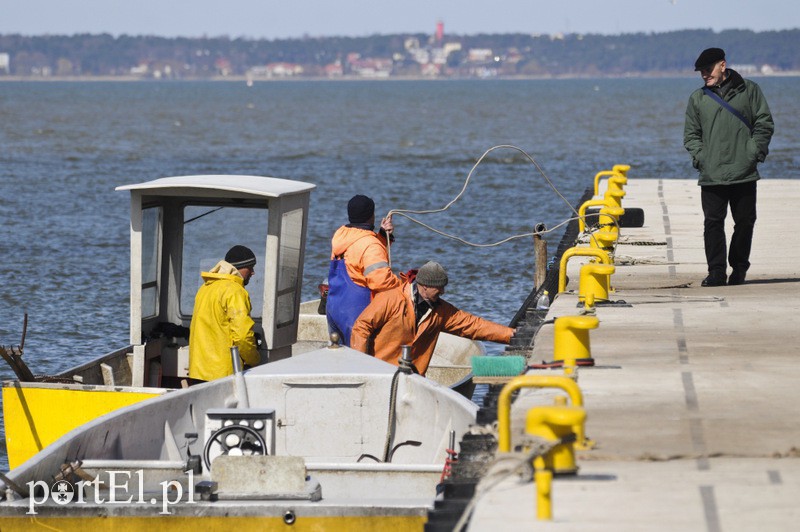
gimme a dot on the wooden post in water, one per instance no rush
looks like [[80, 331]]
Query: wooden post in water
[[540, 248]]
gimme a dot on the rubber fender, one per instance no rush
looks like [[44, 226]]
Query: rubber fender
[[633, 217]]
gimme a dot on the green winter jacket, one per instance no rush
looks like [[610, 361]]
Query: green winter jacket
[[723, 150]]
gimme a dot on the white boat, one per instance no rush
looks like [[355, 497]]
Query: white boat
[[181, 226], [330, 439]]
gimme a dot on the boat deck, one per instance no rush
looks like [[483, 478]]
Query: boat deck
[[693, 402]]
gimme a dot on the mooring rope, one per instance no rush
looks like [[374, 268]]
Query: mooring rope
[[407, 212]]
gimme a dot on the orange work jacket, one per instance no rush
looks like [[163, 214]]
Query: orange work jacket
[[389, 322], [365, 256]]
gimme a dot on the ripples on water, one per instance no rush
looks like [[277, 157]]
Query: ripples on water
[[409, 145]]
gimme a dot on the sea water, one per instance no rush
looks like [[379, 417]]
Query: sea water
[[408, 144]]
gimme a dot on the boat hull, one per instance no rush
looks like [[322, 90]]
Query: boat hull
[[37, 414]]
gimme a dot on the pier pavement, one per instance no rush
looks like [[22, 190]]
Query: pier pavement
[[694, 403]]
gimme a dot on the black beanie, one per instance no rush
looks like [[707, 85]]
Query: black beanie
[[360, 209], [240, 257]]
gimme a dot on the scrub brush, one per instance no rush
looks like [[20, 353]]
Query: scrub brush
[[498, 366]]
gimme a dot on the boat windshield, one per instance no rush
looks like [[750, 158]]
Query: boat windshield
[[208, 233]]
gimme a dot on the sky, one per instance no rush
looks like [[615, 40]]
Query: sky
[[280, 19]]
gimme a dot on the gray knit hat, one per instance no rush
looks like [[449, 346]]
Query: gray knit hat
[[432, 274], [240, 257]]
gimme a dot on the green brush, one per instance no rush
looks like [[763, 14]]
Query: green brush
[[498, 366]]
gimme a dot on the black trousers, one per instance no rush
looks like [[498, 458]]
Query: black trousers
[[715, 200]]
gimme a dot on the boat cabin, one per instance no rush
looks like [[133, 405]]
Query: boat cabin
[[181, 226]]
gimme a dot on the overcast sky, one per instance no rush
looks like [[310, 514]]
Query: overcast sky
[[276, 19]]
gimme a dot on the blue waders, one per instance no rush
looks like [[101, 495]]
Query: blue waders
[[346, 300]]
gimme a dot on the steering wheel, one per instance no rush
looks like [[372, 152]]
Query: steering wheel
[[234, 440]]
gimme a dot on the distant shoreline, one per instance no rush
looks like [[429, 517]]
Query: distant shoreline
[[244, 79]]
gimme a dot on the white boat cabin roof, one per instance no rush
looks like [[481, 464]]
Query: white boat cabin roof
[[271, 187]]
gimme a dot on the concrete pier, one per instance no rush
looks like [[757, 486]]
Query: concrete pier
[[694, 402]]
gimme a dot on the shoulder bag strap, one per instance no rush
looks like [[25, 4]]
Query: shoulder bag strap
[[716, 97]]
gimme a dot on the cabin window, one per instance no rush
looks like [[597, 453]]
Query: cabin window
[[289, 266], [151, 246], [208, 233]]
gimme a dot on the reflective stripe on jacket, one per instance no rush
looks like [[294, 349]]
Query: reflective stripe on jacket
[[389, 322], [221, 319], [365, 256]]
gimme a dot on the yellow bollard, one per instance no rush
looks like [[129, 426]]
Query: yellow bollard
[[588, 305], [621, 169], [533, 381], [555, 424], [618, 170], [611, 199], [596, 252], [571, 338], [543, 478], [603, 239], [614, 196], [617, 182], [597, 177], [609, 218], [595, 279]]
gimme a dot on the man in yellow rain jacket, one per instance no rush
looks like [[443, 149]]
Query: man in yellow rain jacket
[[221, 318], [359, 266], [414, 314]]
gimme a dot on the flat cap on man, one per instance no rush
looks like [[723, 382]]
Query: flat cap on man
[[708, 57]]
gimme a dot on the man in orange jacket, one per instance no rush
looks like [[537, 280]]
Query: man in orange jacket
[[359, 266], [414, 314]]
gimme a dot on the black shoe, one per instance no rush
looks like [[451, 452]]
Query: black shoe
[[737, 277], [713, 280]]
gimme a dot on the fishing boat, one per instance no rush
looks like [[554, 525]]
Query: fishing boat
[[174, 234], [326, 440]]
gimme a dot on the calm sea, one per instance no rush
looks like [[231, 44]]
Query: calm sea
[[408, 144]]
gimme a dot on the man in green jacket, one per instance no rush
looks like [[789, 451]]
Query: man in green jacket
[[727, 132]]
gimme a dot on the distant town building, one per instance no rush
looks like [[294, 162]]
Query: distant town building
[[276, 70], [140, 70], [479, 55], [420, 55], [451, 47], [5, 63], [745, 68], [411, 43], [431, 70], [334, 70], [223, 66], [372, 67]]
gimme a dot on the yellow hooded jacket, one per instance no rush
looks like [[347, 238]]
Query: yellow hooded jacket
[[221, 319]]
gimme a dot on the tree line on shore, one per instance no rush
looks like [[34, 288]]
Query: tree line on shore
[[505, 55]]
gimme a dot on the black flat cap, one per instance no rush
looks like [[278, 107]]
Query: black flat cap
[[708, 57]]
